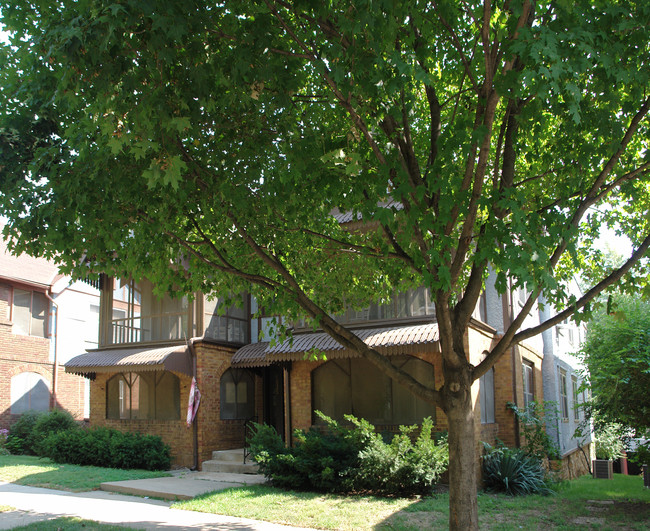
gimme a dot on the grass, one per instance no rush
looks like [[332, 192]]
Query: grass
[[41, 472], [578, 505]]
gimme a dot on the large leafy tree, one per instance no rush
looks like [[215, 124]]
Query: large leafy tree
[[457, 136], [616, 354]]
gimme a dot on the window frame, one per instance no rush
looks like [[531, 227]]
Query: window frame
[[564, 397], [484, 388], [125, 383], [46, 320], [528, 388], [576, 400]]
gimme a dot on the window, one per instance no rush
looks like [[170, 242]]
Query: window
[[529, 383], [576, 403], [357, 387], [138, 315], [29, 391], [486, 385], [143, 395], [30, 311], [564, 399], [230, 324], [237, 394]]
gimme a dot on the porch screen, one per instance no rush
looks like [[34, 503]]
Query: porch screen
[[355, 386], [237, 394], [143, 395]]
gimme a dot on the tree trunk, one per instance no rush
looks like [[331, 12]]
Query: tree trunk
[[463, 505]]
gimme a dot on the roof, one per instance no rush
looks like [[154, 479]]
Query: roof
[[392, 340], [175, 358], [26, 269]]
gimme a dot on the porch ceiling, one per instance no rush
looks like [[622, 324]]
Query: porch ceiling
[[392, 340], [175, 358]]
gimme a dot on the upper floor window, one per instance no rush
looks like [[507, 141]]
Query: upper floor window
[[414, 303], [227, 324], [30, 309], [138, 315], [528, 370], [564, 399], [576, 403]]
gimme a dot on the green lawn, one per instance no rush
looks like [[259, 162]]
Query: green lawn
[[41, 472], [621, 503]]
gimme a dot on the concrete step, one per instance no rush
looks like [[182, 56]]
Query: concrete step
[[228, 467], [231, 456]]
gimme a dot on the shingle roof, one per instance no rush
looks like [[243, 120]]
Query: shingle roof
[[26, 269], [175, 358], [390, 340]]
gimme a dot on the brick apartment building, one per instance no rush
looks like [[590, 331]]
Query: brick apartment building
[[43, 320], [142, 370]]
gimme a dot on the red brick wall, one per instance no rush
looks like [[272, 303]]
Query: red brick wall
[[19, 354], [213, 433], [175, 433]]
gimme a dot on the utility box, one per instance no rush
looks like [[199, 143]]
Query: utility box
[[603, 468]]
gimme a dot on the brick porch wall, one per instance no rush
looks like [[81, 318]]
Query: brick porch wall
[[175, 433]]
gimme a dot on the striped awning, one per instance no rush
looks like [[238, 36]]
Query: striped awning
[[174, 358], [392, 340]]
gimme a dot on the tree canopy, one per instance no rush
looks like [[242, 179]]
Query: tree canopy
[[206, 145], [616, 354]]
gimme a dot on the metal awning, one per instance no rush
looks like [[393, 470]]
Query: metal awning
[[176, 358], [392, 340]]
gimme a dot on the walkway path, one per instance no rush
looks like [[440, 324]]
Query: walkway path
[[35, 504]]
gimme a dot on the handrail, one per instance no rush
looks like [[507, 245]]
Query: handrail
[[248, 430]]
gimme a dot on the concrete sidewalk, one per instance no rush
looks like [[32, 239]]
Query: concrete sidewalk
[[183, 485], [36, 504]]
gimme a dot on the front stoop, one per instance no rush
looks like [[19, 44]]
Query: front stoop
[[229, 462]]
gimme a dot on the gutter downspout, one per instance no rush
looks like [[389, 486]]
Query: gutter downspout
[[55, 365]]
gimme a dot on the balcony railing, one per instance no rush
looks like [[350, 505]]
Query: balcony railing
[[143, 328]]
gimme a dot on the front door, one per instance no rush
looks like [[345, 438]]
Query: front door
[[274, 398]]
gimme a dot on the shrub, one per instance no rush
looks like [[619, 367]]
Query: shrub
[[348, 459], [402, 467], [513, 471], [21, 438], [533, 421], [3, 440], [55, 421], [109, 448]]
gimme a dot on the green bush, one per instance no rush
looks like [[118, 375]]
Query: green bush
[[108, 448], [513, 471], [402, 467], [54, 421], [21, 437], [532, 421], [351, 459]]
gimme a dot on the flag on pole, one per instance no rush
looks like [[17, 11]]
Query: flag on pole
[[194, 401]]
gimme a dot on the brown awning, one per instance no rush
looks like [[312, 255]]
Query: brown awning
[[175, 358], [393, 340]]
